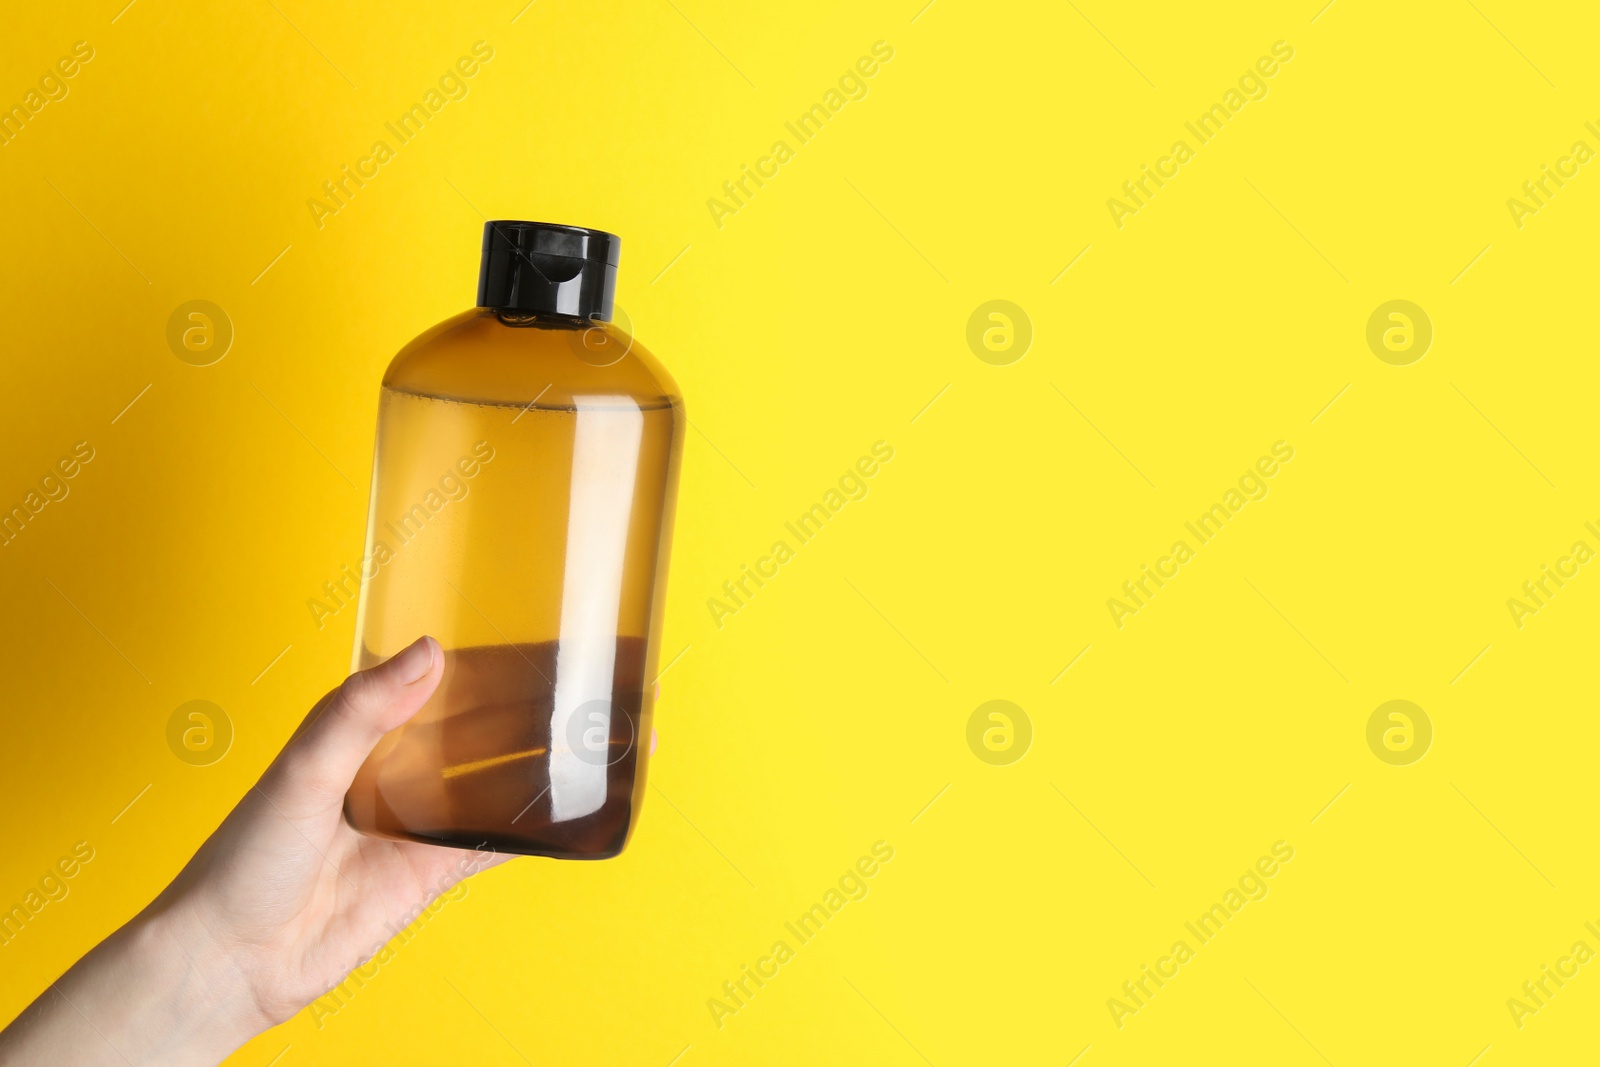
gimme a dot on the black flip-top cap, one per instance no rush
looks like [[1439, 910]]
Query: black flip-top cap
[[548, 269]]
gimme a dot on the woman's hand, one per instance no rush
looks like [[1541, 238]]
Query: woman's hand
[[275, 909]]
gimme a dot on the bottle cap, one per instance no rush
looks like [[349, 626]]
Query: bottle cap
[[545, 268]]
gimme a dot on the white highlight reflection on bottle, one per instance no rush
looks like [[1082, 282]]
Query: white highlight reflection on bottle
[[605, 467]]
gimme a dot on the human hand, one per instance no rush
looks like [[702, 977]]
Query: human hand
[[277, 906]]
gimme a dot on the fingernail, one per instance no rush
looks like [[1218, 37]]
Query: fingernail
[[416, 662]]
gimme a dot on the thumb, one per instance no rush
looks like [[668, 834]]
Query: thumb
[[323, 757]]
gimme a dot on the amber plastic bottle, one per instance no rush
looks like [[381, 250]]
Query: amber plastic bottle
[[521, 513]]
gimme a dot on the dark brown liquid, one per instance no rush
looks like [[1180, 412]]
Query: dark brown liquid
[[503, 757]]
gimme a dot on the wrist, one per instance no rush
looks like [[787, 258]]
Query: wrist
[[194, 1002], [161, 990]]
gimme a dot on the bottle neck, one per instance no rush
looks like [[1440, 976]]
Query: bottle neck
[[540, 319]]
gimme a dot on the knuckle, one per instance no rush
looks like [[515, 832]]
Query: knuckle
[[360, 692]]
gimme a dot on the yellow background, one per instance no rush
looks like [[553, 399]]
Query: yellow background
[[822, 317]]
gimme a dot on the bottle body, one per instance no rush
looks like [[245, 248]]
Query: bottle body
[[521, 512]]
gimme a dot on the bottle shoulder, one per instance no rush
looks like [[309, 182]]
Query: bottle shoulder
[[480, 357]]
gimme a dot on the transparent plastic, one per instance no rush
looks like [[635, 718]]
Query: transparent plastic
[[521, 513]]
